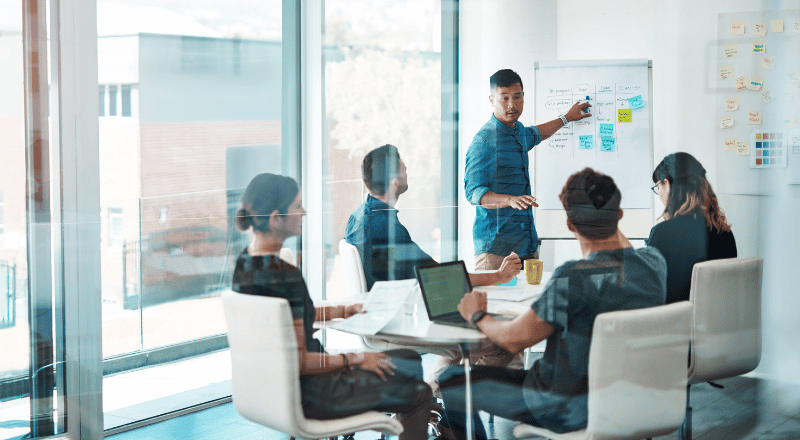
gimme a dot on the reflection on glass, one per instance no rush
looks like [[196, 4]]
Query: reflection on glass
[[382, 86], [187, 91]]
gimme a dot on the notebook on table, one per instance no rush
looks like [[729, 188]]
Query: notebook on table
[[443, 286]]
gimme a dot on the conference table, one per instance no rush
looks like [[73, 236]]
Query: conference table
[[417, 332]]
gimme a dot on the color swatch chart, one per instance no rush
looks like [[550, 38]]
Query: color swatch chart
[[768, 150]]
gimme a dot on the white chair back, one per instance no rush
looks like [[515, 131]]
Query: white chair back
[[288, 256], [637, 372], [726, 327], [355, 282], [263, 345]]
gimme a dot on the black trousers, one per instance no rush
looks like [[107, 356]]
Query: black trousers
[[346, 393]]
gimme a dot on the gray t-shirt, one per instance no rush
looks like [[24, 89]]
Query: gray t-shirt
[[556, 385]]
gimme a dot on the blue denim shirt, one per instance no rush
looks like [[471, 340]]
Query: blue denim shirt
[[384, 244], [497, 161]]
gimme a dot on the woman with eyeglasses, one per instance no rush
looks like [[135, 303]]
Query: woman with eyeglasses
[[694, 228]]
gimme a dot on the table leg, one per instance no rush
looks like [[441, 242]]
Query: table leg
[[465, 355]]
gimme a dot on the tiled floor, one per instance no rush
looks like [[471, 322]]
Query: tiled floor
[[742, 410]]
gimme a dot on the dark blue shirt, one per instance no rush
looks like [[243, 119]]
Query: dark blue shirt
[[556, 386], [497, 161], [384, 244]]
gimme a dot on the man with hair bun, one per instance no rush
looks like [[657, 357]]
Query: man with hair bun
[[611, 276]]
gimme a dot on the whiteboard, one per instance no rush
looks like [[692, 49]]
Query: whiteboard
[[619, 145]]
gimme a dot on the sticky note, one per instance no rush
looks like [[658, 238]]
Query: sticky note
[[796, 27], [741, 82], [759, 46], [766, 94], [768, 62], [743, 148], [587, 142], [726, 121], [790, 123], [624, 115], [726, 71], [730, 143], [731, 51], [794, 76], [737, 28], [776, 25], [608, 144], [606, 129], [731, 104], [760, 28], [753, 118], [636, 102], [755, 83]]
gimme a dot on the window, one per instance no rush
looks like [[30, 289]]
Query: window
[[125, 100], [116, 235], [112, 100], [102, 100]]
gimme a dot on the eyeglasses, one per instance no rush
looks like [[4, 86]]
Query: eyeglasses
[[655, 188]]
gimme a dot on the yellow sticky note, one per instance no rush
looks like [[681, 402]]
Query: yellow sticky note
[[737, 28], [753, 118], [731, 51], [730, 143], [776, 25], [624, 115], [743, 148], [741, 82], [768, 62], [755, 83], [726, 121], [759, 46], [726, 71], [731, 104], [760, 28], [766, 94]]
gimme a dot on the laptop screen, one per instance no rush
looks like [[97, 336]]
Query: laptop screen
[[443, 286]]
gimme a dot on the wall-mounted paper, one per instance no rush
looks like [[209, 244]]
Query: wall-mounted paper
[[636, 102], [755, 83], [768, 62], [776, 25], [606, 129], [760, 28], [726, 71], [730, 143], [587, 142], [743, 148], [731, 51], [766, 94], [608, 144], [624, 115], [726, 121], [790, 123], [796, 27], [737, 28], [741, 82], [731, 104], [794, 76], [754, 118], [759, 46]]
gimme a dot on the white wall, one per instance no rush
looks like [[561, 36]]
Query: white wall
[[676, 35]]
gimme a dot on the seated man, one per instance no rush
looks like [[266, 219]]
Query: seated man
[[612, 276], [388, 252], [384, 244]]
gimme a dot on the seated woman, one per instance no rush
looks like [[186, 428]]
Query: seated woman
[[695, 228], [332, 386]]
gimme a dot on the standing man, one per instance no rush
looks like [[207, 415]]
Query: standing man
[[497, 178]]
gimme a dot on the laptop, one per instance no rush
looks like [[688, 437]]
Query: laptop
[[443, 286]]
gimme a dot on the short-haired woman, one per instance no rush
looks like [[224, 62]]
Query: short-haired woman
[[332, 386], [694, 228]]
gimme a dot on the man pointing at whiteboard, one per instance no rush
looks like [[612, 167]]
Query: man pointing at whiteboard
[[497, 178]]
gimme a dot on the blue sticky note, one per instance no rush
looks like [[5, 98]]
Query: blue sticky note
[[587, 142], [609, 144], [513, 282], [606, 129], [636, 102]]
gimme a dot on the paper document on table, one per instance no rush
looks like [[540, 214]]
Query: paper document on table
[[382, 304]]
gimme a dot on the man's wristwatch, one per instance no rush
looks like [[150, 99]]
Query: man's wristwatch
[[477, 316], [563, 119]]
